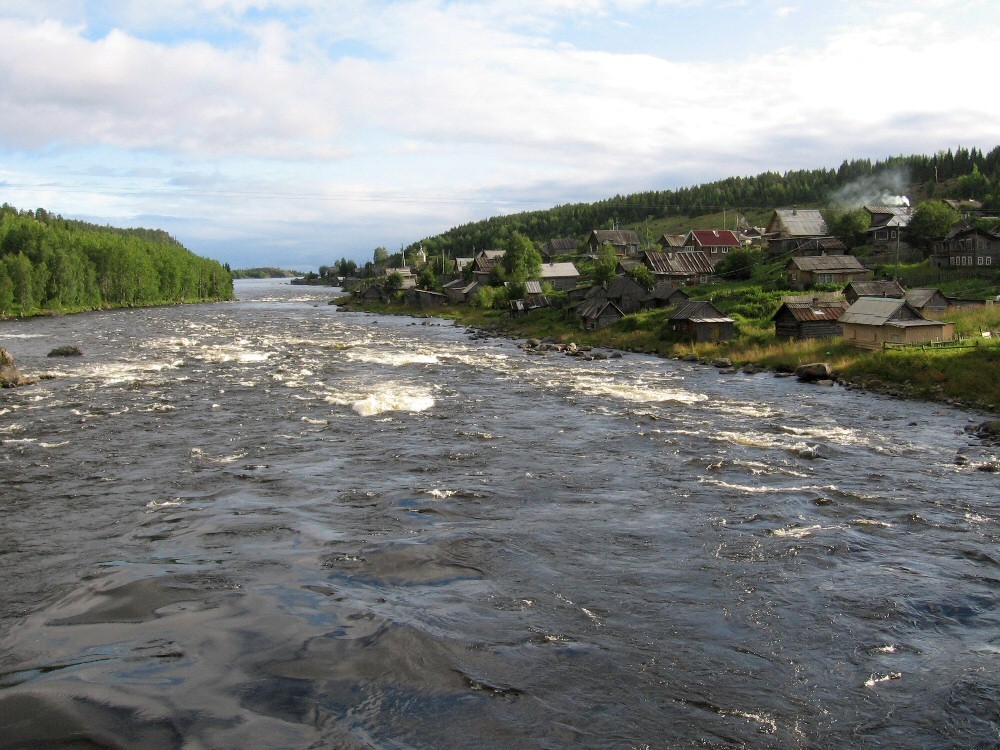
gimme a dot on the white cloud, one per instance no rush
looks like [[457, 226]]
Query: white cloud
[[302, 110]]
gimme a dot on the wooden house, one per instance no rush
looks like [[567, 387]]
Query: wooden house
[[882, 288], [562, 276], [424, 298], [873, 322], [788, 226], [685, 267], [928, 300], [597, 311], [372, 292], [803, 273], [624, 241], [816, 246], [968, 248], [668, 294], [460, 290], [558, 246], [815, 318], [671, 242], [698, 320], [628, 294], [886, 225], [715, 243], [483, 262]]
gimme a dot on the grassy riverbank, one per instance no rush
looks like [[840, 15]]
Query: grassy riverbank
[[963, 376]]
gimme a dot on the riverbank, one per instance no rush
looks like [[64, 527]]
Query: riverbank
[[958, 377]]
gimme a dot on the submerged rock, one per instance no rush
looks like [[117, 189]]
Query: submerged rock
[[986, 430], [66, 351]]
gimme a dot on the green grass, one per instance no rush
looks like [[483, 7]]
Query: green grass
[[968, 376]]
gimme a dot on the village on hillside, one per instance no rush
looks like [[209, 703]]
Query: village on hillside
[[831, 290]]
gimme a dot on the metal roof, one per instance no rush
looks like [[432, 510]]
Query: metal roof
[[715, 237]]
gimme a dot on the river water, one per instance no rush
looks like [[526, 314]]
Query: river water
[[274, 524]]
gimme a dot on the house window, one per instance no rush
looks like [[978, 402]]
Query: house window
[[725, 250], [989, 260], [979, 260], [715, 250]]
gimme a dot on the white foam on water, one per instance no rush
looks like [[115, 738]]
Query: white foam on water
[[392, 359], [389, 397], [173, 503], [797, 532], [128, 372], [54, 445], [26, 335], [871, 522], [440, 494], [310, 420], [875, 680], [633, 391]]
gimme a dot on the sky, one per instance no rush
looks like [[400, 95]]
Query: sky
[[295, 132]]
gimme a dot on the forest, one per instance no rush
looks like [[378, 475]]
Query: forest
[[52, 264], [962, 173]]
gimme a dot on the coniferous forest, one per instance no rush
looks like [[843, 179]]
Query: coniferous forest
[[962, 173], [48, 263]]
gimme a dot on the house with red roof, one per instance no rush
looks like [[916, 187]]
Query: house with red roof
[[715, 243]]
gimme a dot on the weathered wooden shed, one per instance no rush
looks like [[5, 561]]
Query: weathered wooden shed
[[698, 320], [928, 300], [816, 318], [881, 288]]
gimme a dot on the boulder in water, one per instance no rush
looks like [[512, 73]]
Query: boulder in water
[[66, 351], [814, 371], [10, 376]]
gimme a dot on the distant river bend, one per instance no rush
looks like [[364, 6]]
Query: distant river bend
[[274, 524]]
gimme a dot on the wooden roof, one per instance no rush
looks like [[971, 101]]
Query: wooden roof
[[699, 311], [827, 263], [615, 237], [816, 310], [685, 263], [882, 288], [798, 222], [878, 311]]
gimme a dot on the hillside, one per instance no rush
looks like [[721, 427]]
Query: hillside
[[51, 264], [963, 173]]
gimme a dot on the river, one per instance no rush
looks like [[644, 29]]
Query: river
[[274, 524]]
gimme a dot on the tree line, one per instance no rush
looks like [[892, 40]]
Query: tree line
[[962, 173], [51, 263]]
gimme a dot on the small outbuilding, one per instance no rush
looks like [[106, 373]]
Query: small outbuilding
[[699, 320], [928, 300], [815, 318], [882, 288]]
